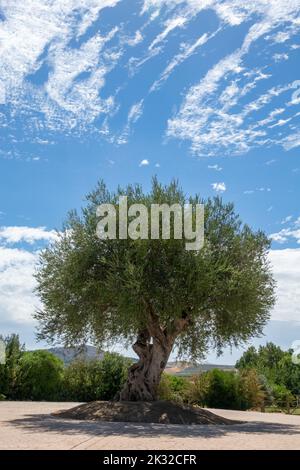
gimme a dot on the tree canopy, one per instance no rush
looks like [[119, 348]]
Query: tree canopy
[[155, 290]]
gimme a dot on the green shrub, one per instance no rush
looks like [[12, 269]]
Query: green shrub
[[251, 393], [9, 370], [229, 390], [199, 389], [173, 388], [39, 376], [223, 390], [87, 380], [283, 397]]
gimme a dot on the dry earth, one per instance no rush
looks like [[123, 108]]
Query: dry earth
[[160, 412]]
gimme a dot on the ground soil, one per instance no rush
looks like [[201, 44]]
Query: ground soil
[[143, 412]]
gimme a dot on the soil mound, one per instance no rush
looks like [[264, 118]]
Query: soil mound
[[143, 412]]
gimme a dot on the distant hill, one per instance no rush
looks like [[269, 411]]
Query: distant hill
[[180, 368], [68, 355], [186, 369]]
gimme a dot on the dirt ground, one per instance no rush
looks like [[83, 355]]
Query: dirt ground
[[29, 425], [160, 412]]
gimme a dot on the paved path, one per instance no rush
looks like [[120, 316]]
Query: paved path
[[27, 425]]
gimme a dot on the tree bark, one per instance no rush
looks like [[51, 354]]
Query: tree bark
[[144, 376], [153, 347]]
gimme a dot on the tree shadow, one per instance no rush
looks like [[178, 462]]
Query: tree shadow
[[45, 423]]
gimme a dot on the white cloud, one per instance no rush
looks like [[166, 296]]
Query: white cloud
[[286, 268], [288, 234], [37, 33], [279, 57], [138, 37], [144, 162], [215, 167], [187, 51], [170, 25], [57, 37], [203, 118], [281, 36], [17, 234], [287, 219], [17, 299], [291, 141], [262, 189], [219, 187], [135, 112], [82, 97]]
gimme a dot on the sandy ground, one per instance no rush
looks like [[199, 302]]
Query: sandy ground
[[28, 425]]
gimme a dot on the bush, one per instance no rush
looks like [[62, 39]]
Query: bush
[[223, 390], [88, 380], [9, 370], [228, 390], [173, 388], [283, 397], [199, 389], [251, 392], [39, 376]]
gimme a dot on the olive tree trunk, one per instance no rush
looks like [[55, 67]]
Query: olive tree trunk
[[144, 376], [153, 347]]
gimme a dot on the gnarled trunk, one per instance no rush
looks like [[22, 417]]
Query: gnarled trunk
[[144, 376]]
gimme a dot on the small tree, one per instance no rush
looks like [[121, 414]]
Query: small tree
[[9, 370], [39, 376], [155, 290], [274, 363]]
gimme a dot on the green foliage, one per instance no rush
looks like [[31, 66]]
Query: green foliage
[[173, 388], [199, 389], [95, 380], [39, 376], [283, 398], [228, 390], [289, 373], [9, 370], [252, 393], [275, 364], [223, 390], [249, 359], [107, 290]]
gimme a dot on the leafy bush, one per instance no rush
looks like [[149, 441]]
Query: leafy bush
[[251, 391], [283, 398], [229, 390], [95, 380], [9, 370], [223, 390], [199, 389], [173, 388], [39, 376]]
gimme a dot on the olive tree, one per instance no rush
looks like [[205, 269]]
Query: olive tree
[[155, 294]]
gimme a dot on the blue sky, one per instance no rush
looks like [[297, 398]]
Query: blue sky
[[207, 91]]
